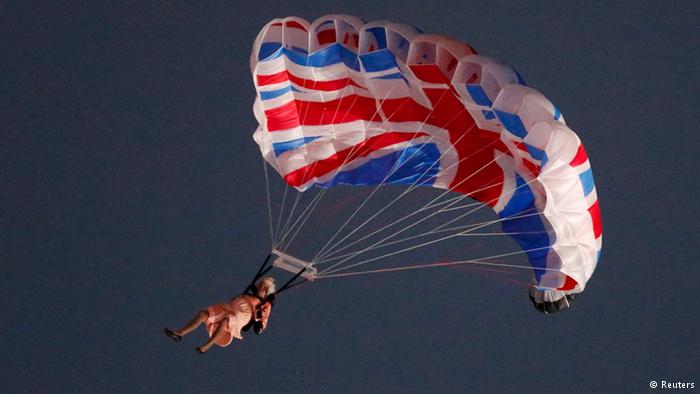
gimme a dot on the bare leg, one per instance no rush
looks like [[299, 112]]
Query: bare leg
[[200, 318], [219, 334]]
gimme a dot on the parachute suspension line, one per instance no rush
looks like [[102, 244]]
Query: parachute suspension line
[[269, 202], [279, 217], [352, 150], [349, 156], [425, 207], [309, 208], [333, 256], [390, 236], [479, 261], [374, 245], [394, 166], [481, 206], [380, 184], [336, 257], [412, 187], [287, 230], [461, 197], [468, 229], [472, 228], [412, 214], [325, 249], [386, 177], [261, 271], [457, 208], [291, 213], [331, 268], [308, 215], [324, 273], [449, 200], [408, 190], [339, 168], [306, 218]]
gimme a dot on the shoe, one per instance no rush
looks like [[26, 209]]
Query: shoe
[[172, 335]]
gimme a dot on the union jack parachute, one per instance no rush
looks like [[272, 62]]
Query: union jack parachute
[[344, 102]]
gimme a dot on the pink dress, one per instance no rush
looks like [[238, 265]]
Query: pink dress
[[238, 311]]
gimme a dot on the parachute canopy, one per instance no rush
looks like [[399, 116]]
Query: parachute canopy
[[341, 101]]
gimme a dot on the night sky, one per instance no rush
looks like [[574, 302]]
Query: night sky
[[132, 195]]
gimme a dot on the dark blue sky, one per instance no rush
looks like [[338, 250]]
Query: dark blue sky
[[132, 195]]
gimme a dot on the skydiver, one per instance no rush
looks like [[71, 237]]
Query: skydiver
[[225, 321]]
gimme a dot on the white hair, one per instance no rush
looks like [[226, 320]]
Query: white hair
[[267, 283]]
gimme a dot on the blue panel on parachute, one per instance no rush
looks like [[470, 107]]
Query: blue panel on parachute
[[417, 164], [268, 49], [537, 154], [327, 56], [488, 114], [512, 123], [378, 61], [521, 219], [379, 36], [270, 94], [478, 95], [587, 181], [281, 147]]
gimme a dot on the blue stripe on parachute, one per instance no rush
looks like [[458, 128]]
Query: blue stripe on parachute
[[379, 36], [274, 93], [587, 181], [537, 154], [378, 61], [512, 123], [557, 113], [281, 147], [417, 164], [332, 54], [478, 95], [268, 49], [523, 203]]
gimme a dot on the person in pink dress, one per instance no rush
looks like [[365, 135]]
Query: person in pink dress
[[225, 321]]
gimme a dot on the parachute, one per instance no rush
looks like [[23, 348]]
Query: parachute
[[344, 102]]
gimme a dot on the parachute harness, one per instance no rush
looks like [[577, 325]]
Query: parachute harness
[[252, 290], [264, 268]]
